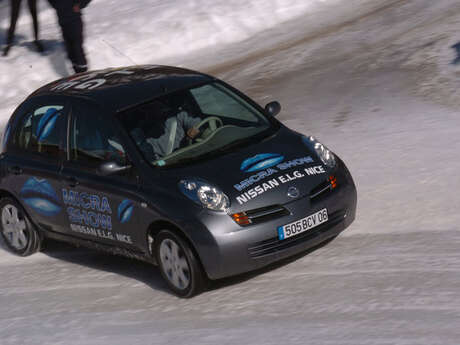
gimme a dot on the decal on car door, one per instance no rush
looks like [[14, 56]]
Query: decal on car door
[[40, 196], [125, 210], [91, 214]]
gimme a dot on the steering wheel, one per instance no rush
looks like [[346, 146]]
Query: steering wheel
[[213, 122]]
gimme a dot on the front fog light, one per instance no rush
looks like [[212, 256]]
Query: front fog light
[[205, 194], [326, 155]]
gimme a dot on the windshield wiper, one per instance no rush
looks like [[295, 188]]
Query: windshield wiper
[[224, 149], [209, 154], [187, 160], [237, 143], [243, 141]]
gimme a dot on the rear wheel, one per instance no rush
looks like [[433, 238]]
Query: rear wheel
[[178, 264], [18, 233]]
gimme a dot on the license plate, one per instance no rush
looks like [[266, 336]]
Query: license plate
[[302, 225]]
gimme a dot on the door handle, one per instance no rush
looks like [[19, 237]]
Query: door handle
[[15, 170], [72, 181]]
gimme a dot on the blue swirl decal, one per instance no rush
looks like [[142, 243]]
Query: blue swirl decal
[[125, 211], [46, 124], [38, 194], [261, 161]]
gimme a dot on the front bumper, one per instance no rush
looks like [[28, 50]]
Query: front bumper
[[226, 249]]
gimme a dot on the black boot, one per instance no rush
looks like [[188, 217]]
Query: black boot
[[6, 50], [39, 46], [80, 68]]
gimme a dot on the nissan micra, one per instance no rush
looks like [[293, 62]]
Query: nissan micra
[[170, 166]]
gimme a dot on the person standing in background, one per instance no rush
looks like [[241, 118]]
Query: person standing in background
[[15, 9], [71, 23]]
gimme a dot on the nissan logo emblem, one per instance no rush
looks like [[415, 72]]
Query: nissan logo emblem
[[293, 192]]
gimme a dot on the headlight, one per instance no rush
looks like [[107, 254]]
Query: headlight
[[205, 194], [326, 155]]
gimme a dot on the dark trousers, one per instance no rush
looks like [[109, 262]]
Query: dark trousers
[[15, 9], [72, 30]]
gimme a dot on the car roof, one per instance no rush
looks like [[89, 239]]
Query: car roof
[[121, 88]]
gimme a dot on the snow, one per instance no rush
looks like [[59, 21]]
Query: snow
[[171, 32], [372, 79]]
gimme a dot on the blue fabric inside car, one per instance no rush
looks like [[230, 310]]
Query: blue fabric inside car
[[89, 139], [45, 126]]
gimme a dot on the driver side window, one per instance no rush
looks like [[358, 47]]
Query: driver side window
[[93, 141]]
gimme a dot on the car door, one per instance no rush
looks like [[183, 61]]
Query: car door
[[34, 160], [101, 207]]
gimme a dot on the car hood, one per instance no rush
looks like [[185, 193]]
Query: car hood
[[274, 171]]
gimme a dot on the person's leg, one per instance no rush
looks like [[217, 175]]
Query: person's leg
[[53, 3], [81, 64], [72, 32], [67, 36], [15, 8], [33, 13]]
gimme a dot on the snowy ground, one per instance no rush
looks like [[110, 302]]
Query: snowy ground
[[375, 83], [190, 33]]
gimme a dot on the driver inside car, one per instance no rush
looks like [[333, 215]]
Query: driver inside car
[[176, 129], [158, 136]]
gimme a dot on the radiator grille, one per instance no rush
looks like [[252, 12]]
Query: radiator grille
[[320, 191], [266, 214]]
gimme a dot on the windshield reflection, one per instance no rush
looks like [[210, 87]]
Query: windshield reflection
[[192, 124]]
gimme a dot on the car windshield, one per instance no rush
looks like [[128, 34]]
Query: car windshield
[[195, 123]]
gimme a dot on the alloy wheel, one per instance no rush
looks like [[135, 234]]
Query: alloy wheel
[[14, 228], [174, 264]]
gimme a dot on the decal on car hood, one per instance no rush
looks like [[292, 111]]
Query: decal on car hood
[[269, 162], [278, 181], [261, 161], [271, 173]]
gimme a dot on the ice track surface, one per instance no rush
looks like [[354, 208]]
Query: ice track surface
[[380, 89]]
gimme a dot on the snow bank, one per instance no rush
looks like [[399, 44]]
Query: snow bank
[[176, 28], [136, 32]]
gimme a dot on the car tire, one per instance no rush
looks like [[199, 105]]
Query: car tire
[[178, 264], [17, 231]]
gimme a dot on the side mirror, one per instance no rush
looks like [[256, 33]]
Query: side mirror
[[112, 168], [273, 108]]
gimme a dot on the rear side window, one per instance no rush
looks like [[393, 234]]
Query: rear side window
[[40, 131]]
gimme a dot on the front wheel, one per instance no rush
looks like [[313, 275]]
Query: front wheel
[[18, 233], [178, 264]]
